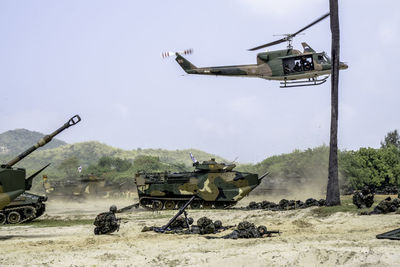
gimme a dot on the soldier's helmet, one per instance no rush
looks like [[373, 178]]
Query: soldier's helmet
[[113, 208], [217, 224], [262, 230]]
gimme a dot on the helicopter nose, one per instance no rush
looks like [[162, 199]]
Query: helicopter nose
[[343, 66]]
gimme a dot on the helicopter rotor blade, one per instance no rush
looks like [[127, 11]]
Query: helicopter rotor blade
[[288, 37], [310, 25], [167, 54], [269, 44]]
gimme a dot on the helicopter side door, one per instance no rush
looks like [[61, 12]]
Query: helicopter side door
[[294, 65]]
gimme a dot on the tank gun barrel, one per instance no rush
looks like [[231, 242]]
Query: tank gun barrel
[[46, 139], [263, 176]]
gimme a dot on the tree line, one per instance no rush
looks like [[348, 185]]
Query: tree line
[[374, 167], [116, 168]]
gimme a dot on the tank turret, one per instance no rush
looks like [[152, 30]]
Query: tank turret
[[213, 166], [13, 181]]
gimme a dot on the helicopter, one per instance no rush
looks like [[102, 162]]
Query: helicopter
[[289, 66]]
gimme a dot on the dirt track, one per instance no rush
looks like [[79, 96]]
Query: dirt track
[[342, 239]]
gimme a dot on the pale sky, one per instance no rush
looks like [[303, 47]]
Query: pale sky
[[101, 60]]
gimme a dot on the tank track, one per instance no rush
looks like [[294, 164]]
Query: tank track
[[21, 214], [155, 203]]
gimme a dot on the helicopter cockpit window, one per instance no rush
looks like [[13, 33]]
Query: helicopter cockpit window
[[323, 58], [327, 59], [298, 64]]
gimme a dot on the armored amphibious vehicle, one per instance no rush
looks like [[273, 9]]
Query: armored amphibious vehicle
[[86, 186], [214, 185]]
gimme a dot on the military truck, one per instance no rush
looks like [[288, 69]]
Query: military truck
[[13, 181], [214, 185]]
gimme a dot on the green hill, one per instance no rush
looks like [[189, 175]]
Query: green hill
[[89, 153], [16, 141]]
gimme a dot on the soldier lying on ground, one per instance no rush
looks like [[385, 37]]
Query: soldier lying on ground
[[106, 222], [207, 226], [285, 204], [204, 226], [387, 205], [178, 225], [246, 229]]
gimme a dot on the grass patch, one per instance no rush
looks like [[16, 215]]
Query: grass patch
[[327, 211], [156, 216], [58, 222], [346, 206]]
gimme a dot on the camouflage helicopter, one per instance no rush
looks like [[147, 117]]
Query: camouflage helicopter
[[290, 66]]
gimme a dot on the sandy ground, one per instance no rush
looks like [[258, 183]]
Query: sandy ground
[[342, 239]]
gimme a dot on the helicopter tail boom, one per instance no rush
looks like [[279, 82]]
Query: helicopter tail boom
[[184, 63]]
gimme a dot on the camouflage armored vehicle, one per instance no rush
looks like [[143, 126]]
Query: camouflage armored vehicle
[[78, 189], [24, 208], [13, 181], [215, 185]]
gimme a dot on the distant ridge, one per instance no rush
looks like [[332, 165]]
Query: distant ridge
[[90, 152], [16, 141]]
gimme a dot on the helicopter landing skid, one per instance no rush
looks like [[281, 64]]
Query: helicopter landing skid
[[308, 82]]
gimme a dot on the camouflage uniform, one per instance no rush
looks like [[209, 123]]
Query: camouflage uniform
[[206, 226], [246, 229], [285, 204], [364, 198], [387, 205], [253, 205], [180, 223], [106, 222], [177, 226]]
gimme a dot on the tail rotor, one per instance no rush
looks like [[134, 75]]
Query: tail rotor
[[170, 54]]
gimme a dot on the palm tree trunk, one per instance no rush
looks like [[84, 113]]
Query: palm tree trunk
[[332, 193]]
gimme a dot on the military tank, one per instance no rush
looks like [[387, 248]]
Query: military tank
[[13, 181], [26, 207], [86, 186], [215, 185]]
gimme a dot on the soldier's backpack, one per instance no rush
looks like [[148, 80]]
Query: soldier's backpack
[[100, 219]]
